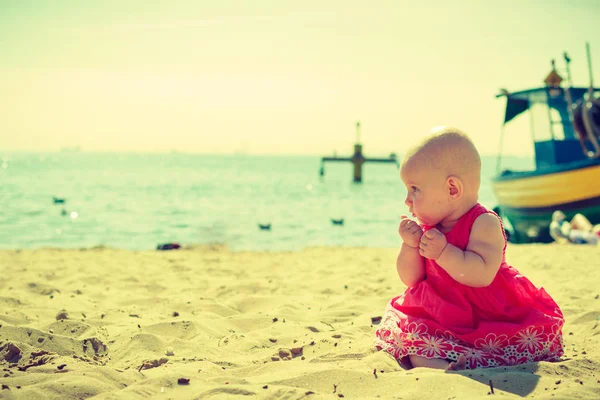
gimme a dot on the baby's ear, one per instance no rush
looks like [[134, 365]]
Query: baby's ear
[[454, 186]]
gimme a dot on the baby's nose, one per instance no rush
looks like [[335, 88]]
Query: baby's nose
[[408, 200]]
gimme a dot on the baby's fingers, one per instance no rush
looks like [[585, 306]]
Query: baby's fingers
[[433, 234], [415, 228]]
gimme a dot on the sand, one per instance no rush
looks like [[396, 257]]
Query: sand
[[206, 322]]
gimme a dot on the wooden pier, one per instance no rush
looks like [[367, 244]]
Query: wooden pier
[[357, 159]]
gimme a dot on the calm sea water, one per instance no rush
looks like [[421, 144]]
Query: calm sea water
[[136, 201]]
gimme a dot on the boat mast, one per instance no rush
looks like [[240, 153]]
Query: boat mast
[[568, 91], [589, 58], [551, 82], [587, 106]]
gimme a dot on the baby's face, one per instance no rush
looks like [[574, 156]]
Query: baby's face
[[426, 197]]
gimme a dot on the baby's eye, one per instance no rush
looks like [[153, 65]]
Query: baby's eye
[[413, 188]]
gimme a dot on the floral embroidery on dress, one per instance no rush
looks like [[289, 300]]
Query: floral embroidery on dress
[[531, 339], [527, 345], [492, 343]]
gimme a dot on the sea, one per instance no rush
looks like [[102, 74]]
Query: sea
[[138, 201]]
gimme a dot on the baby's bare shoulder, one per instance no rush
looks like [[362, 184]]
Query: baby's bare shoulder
[[487, 220], [487, 228]]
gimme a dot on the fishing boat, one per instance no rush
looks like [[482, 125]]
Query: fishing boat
[[566, 176]]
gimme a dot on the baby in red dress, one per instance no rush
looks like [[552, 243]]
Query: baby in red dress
[[464, 307]]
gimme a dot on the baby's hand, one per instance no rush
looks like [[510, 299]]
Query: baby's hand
[[410, 232], [433, 243]]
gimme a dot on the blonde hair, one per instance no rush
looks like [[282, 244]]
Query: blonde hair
[[449, 150]]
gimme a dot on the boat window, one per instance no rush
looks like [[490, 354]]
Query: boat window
[[517, 137], [546, 123]]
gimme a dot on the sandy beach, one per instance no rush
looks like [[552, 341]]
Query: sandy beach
[[206, 322]]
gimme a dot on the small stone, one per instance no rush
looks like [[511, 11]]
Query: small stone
[[61, 366], [283, 353], [169, 351], [273, 340], [183, 381]]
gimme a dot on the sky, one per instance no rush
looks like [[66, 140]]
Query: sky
[[277, 76]]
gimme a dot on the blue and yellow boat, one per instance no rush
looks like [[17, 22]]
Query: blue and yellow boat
[[567, 166]]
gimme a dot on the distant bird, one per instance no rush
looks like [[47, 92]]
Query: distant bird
[[168, 246], [58, 200], [265, 227], [337, 221]]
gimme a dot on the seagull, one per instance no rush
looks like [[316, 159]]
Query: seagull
[[265, 227]]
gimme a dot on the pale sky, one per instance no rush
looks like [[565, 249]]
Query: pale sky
[[276, 76]]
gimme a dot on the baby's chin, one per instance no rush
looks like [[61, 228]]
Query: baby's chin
[[422, 222], [418, 220]]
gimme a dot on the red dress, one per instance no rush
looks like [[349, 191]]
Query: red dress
[[509, 322]]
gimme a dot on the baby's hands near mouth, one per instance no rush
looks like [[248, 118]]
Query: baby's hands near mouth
[[410, 232], [433, 243]]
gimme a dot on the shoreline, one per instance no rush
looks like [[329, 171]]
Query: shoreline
[[274, 324]]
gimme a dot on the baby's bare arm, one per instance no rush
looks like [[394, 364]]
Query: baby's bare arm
[[410, 265], [478, 264]]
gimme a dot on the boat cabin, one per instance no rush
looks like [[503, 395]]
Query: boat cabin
[[563, 107]]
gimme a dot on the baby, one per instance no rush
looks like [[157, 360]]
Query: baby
[[464, 307]]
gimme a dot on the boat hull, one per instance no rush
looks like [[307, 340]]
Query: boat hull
[[526, 200]]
